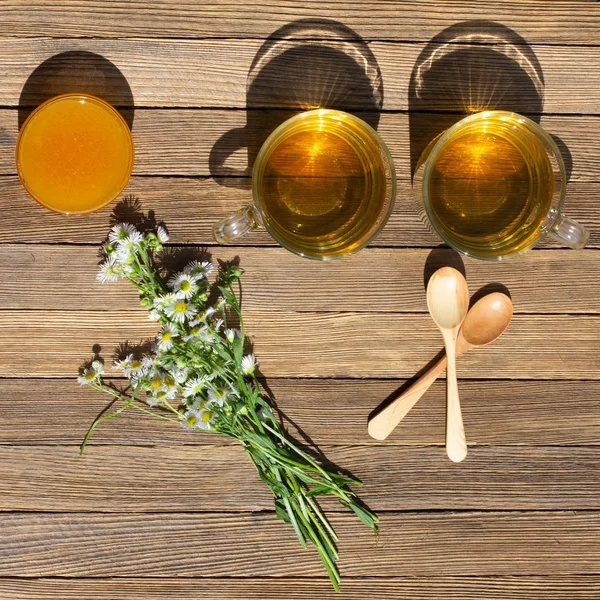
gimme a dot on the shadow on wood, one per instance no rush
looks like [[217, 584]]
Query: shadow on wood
[[77, 72], [467, 68], [442, 257], [307, 64]]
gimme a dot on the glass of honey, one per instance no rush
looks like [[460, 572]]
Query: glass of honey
[[74, 154]]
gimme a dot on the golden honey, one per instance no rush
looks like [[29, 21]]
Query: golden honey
[[74, 154]]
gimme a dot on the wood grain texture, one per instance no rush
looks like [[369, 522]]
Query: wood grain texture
[[169, 479], [566, 22], [215, 545], [387, 280], [55, 343], [190, 208], [128, 520], [398, 588], [329, 412], [180, 142], [213, 73]]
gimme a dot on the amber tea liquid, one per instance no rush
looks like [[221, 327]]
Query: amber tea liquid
[[322, 185], [490, 187]]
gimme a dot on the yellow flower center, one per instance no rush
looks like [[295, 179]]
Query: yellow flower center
[[156, 382], [169, 381], [181, 307], [89, 375], [160, 394], [166, 336], [185, 286], [136, 364], [195, 329], [206, 416], [191, 420]]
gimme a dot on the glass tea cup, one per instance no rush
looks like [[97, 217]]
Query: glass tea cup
[[493, 186], [74, 154], [323, 186]]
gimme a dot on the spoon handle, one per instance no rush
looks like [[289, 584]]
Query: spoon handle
[[384, 422], [456, 443]]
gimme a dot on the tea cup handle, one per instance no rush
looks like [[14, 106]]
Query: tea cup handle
[[230, 229], [570, 233]]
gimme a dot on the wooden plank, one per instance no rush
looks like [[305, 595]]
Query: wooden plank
[[214, 73], [329, 412], [566, 22], [389, 280], [287, 344], [398, 588], [198, 142], [213, 545], [119, 479], [190, 208]]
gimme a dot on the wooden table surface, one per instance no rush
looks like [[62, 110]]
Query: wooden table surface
[[152, 512]]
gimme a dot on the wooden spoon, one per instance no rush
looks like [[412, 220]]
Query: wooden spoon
[[448, 303], [486, 321]]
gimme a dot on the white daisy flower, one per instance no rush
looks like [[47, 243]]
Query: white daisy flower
[[162, 301], [209, 312], [193, 332], [180, 374], [180, 310], [120, 232], [154, 315], [194, 386], [98, 366], [121, 268], [195, 402], [191, 419], [107, 271], [218, 396], [183, 283], [169, 382], [132, 366], [231, 334], [164, 339], [200, 332], [162, 235], [248, 364], [159, 396], [148, 363], [206, 420], [198, 269], [218, 324], [88, 376], [129, 244]]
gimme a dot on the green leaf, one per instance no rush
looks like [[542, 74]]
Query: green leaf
[[281, 511], [318, 490], [366, 516]]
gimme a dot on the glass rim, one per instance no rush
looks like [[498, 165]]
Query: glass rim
[[439, 144], [103, 104], [387, 159]]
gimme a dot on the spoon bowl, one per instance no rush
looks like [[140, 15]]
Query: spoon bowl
[[447, 298], [486, 320]]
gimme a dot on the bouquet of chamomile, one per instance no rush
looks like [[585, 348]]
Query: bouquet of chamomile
[[198, 376]]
